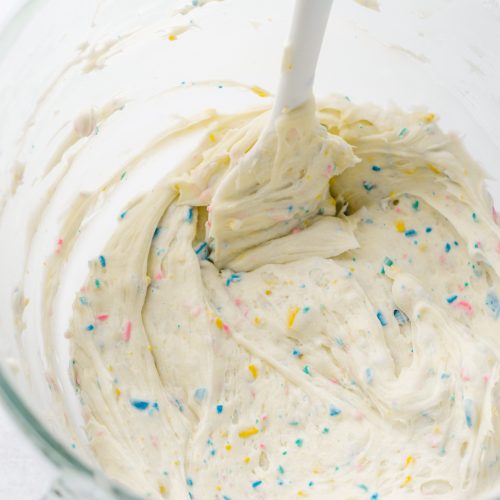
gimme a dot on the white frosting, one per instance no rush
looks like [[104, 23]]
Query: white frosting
[[321, 319]]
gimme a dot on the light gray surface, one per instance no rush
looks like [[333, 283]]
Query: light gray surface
[[25, 474]]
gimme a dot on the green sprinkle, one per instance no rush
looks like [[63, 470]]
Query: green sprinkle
[[123, 176], [415, 205], [281, 470], [404, 131], [97, 283], [306, 370], [299, 442]]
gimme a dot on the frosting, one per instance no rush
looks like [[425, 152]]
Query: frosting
[[317, 315]]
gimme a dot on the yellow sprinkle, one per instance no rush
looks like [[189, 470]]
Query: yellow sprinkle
[[177, 462], [172, 37], [429, 117], [148, 280], [212, 137], [246, 433], [246, 460], [409, 171], [218, 488], [437, 429], [423, 247], [352, 269], [292, 314], [407, 480], [409, 460], [118, 392], [259, 91], [400, 226], [316, 470], [392, 195], [150, 348], [253, 370], [268, 292], [257, 320], [434, 169], [110, 368], [163, 490], [228, 447], [219, 324], [301, 493]]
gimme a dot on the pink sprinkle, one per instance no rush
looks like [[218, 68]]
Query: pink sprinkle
[[486, 378], [398, 210], [498, 247], [264, 417], [209, 224], [102, 317], [127, 332], [209, 208], [195, 311], [296, 230], [434, 443], [159, 276], [442, 259], [478, 244], [360, 467], [465, 376], [329, 169], [262, 446], [465, 306], [60, 242], [237, 301], [334, 381], [225, 328], [495, 215]]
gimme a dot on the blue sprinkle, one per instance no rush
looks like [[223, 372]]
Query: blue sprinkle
[[155, 406], [255, 484], [194, 3], [455, 243], [400, 316], [123, 214], [445, 376], [468, 412], [219, 409], [410, 233], [428, 229], [232, 279], [89, 327], [189, 481], [310, 483], [225, 497], [306, 309], [83, 301], [374, 496], [381, 318], [102, 260], [493, 304], [339, 341], [299, 442], [140, 405], [306, 370], [334, 411], [376, 168], [369, 375], [200, 247], [296, 353], [189, 215], [452, 299], [157, 232], [179, 405], [447, 248], [403, 132], [290, 208], [368, 185], [200, 393]]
